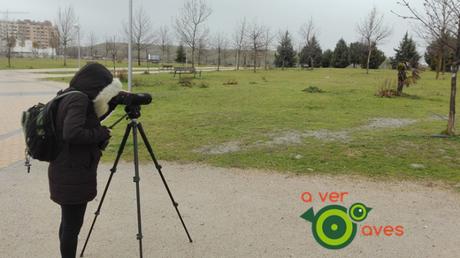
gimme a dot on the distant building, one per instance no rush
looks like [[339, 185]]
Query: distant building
[[32, 37]]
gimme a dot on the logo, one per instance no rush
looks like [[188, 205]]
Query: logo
[[333, 226]]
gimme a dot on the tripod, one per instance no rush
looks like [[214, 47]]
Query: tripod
[[133, 113]]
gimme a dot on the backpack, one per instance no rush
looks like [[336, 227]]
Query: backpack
[[38, 124]]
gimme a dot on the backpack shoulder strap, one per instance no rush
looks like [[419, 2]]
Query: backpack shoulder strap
[[68, 93]]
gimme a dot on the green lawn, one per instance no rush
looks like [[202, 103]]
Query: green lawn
[[45, 63], [41, 63], [268, 122]]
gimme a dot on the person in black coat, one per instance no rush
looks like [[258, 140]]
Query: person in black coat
[[72, 175]]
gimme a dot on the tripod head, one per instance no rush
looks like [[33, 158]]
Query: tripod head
[[133, 111]]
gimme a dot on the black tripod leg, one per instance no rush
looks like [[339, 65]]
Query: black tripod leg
[[112, 170], [136, 179], [158, 167]]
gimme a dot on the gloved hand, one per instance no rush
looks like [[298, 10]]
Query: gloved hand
[[103, 144]]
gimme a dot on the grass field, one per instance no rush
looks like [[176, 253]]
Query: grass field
[[41, 63], [267, 121], [45, 63]]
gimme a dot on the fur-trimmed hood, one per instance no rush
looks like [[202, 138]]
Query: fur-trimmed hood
[[98, 84], [101, 102]]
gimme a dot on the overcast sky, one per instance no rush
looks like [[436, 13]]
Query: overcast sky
[[333, 18]]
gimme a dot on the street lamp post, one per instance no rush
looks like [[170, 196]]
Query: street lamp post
[[77, 26], [130, 64]]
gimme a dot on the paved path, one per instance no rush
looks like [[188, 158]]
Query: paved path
[[19, 90], [230, 212]]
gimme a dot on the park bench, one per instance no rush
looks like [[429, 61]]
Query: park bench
[[189, 70], [166, 67], [305, 66]]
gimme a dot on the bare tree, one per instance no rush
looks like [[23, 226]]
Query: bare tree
[[438, 28], [431, 19], [65, 23], [35, 48], [307, 31], [201, 49], [373, 31], [238, 41], [268, 39], [10, 40], [190, 24], [307, 34], [112, 49], [92, 43], [165, 41], [220, 43], [255, 36], [142, 31], [54, 41]]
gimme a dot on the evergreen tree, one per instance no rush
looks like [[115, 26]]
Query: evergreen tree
[[433, 56], [311, 54], [326, 59], [285, 55], [377, 58], [357, 50], [406, 53], [341, 57], [180, 54]]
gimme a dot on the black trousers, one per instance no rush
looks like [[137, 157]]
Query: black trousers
[[71, 222]]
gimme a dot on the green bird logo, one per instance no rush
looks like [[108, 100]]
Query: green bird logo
[[333, 227]]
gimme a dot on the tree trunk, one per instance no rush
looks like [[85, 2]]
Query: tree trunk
[[9, 57], [453, 85], [438, 64], [218, 59], [255, 59], [443, 68], [368, 58], [138, 55], [265, 59], [453, 93], [238, 53], [65, 52], [114, 68], [401, 81], [193, 56]]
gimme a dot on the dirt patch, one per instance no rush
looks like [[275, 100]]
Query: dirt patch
[[227, 147], [326, 135], [287, 138], [284, 138], [383, 123]]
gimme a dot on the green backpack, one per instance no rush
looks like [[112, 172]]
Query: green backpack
[[38, 124]]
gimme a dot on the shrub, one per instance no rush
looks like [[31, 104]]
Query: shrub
[[387, 89], [137, 82], [231, 82], [186, 82], [122, 75], [204, 85], [313, 89]]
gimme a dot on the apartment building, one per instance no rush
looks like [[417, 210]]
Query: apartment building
[[30, 35]]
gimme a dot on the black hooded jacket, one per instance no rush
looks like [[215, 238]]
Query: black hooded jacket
[[72, 175]]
